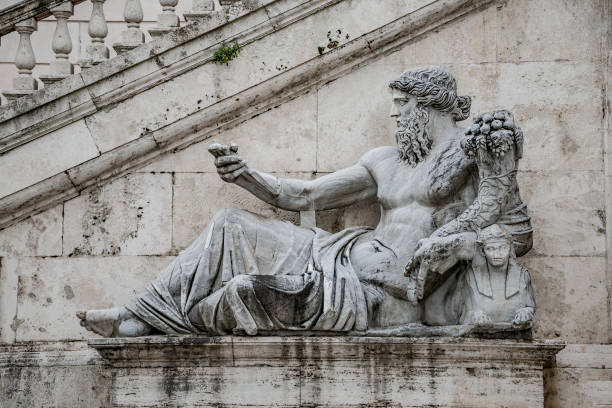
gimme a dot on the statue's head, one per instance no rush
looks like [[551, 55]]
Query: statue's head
[[496, 243], [416, 94]]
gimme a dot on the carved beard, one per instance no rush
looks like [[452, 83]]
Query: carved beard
[[412, 136]]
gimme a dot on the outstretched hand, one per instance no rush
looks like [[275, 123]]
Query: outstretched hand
[[229, 165]]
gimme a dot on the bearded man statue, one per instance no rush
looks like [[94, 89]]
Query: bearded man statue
[[250, 274]]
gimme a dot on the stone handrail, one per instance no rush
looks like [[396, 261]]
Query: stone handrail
[[23, 16], [66, 105], [25, 9]]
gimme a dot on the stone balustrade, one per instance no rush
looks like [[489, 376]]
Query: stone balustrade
[[212, 12]]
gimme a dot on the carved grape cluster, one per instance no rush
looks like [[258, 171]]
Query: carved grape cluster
[[495, 132]]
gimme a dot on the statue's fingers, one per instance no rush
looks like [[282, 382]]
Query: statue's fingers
[[232, 176], [234, 148], [238, 172], [227, 160], [217, 149], [230, 168], [421, 277]]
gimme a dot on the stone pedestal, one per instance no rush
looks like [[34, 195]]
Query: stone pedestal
[[326, 371]]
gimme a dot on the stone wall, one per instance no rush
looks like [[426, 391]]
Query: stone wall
[[544, 60]]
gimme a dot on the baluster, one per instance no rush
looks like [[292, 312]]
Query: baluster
[[132, 37], [24, 83], [97, 52], [208, 11], [167, 20], [61, 45]]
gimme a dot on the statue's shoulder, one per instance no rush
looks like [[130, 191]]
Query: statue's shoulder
[[378, 154]]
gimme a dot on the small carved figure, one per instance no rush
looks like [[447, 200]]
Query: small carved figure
[[495, 288]]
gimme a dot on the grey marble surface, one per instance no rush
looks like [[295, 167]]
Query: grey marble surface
[[443, 253]]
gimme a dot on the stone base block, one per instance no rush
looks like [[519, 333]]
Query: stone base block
[[25, 82], [94, 55], [156, 32], [53, 374], [15, 94], [121, 48], [51, 79], [206, 17], [326, 371]]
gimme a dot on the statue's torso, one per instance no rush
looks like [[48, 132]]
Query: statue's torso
[[408, 197]]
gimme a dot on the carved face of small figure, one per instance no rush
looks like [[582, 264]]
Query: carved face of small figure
[[497, 252]]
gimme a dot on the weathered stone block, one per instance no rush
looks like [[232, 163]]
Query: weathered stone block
[[39, 235], [582, 377], [8, 300], [51, 290], [63, 374], [365, 123], [466, 40], [326, 371], [571, 297], [268, 142], [567, 210], [45, 157], [529, 32], [129, 216], [198, 196]]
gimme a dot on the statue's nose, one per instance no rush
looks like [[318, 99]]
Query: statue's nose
[[394, 113]]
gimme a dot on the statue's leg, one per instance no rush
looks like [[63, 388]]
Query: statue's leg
[[235, 242], [251, 303], [123, 322]]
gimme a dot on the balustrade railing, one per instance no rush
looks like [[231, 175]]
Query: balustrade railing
[[31, 11]]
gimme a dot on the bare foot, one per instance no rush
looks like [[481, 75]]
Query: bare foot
[[115, 322], [104, 322]]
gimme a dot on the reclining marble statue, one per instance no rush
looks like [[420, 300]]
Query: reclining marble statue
[[444, 195]]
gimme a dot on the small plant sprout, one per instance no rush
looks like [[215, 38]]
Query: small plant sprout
[[226, 53]]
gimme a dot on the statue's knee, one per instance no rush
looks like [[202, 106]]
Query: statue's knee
[[240, 285], [228, 215]]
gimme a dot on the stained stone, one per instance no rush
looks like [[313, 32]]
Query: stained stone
[[443, 252]]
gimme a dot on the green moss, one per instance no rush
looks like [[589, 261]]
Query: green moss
[[226, 53]]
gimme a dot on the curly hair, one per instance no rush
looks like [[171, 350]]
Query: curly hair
[[436, 87]]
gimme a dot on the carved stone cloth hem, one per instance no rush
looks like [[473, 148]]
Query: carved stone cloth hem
[[249, 272]]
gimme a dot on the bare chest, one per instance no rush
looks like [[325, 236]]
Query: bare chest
[[400, 185]]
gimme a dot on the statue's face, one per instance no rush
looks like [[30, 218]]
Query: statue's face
[[402, 106], [497, 253], [413, 128]]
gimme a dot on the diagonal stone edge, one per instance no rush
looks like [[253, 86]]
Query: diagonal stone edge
[[227, 113], [237, 350], [37, 9], [165, 61]]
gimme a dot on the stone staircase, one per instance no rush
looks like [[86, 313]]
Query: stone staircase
[[163, 96]]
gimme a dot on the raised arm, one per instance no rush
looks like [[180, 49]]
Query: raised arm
[[338, 189]]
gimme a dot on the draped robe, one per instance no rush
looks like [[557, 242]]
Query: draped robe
[[246, 272]]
